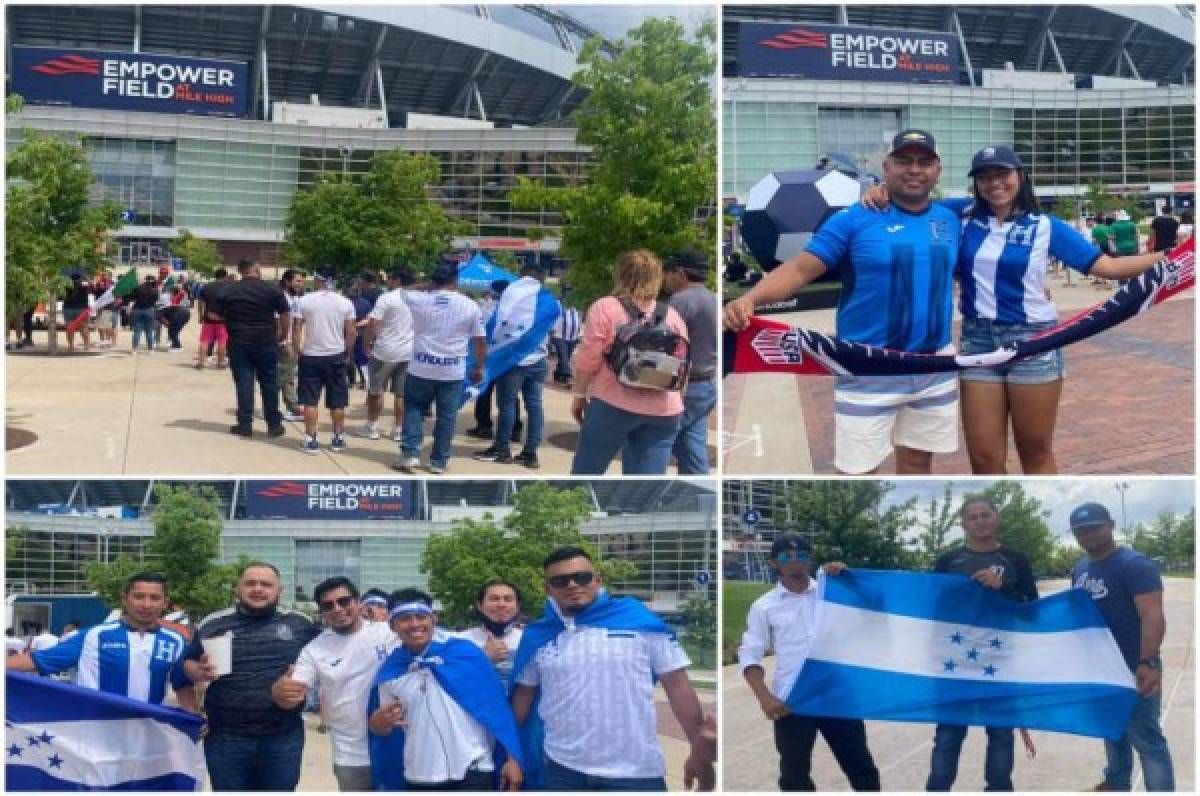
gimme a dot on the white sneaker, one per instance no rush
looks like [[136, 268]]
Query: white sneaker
[[408, 464], [436, 469], [291, 416], [397, 435], [370, 431]]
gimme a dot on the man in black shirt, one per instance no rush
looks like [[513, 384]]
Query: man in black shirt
[[993, 566], [257, 317], [252, 744], [1163, 230]]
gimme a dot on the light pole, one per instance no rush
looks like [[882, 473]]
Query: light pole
[[1122, 487]]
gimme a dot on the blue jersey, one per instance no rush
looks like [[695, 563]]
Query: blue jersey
[[1002, 266], [1113, 582], [896, 269], [114, 657]]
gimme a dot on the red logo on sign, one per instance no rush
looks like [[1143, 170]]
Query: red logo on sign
[[285, 489], [796, 38], [68, 65]]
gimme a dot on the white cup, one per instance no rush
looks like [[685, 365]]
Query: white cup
[[219, 650]]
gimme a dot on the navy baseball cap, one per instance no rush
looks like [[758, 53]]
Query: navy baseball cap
[[325, 275], [1089, 515], [444, 274], [1000, 157], [790, 541], [917, 138]]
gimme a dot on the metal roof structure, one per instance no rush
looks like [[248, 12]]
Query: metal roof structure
[[510, 65], [1155, 43]]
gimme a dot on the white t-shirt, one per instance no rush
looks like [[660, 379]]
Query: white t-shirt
[[511, 638], [325, 314], [43, 641], [442, 742], [443, 324], [346, 666], [597, 698], [394, 337], [294, 310]]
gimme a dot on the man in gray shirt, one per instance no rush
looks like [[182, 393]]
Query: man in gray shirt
[[684, 277]]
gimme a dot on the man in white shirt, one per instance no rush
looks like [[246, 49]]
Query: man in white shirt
[[292, 283], [782, 620], [388, 339], [344, 660], [323, 334], [444, 323], [42, 640]]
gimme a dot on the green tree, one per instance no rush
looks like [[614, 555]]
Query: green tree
[[354, 222], [649, 118], [848, 523], [199, 255], [1067, 208], [700, 632], [543, 519], [1101, 202], [1022, 522], [943, 517], [14, 541], [1168, 538], [50, 225], [1062, 557]]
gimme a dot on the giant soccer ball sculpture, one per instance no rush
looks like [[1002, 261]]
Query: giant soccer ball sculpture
[[785, 208]]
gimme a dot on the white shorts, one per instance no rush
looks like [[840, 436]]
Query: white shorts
[[874, 414]]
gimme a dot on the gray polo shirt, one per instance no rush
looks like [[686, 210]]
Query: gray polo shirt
[[697, 305]]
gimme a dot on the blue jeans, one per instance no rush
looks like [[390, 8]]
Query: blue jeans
[[647, 440], [1143, 734], [254, 762], [143, 322], [563, 349], [691, 446], [256, 361], [947, 744], [419, 395], [526, 380], [561, 778]]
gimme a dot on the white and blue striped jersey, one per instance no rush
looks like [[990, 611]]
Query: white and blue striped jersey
[[1002, 265], [114, 657]]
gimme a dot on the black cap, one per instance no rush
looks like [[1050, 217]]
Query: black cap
[[1089, 515], [917, 138], [400, 273], [789, 541], [994, 157], [326, 275], [691, 262], [444, 274]]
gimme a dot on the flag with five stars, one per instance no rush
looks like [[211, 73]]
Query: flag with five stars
[[938, 648], [61, 737]]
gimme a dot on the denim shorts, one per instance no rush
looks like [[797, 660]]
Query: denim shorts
[[980, 335]]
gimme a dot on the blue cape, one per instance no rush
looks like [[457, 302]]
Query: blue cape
[[467, 676], [519, 338]]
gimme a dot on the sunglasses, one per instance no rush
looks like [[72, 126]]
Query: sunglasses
[[787, 558], [578, 578], [340, 602]]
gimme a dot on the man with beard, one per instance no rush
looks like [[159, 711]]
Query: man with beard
[[253, 744], [344, 660], [292, 283]]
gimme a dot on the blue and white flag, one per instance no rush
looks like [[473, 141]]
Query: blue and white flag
[[61, 737], [525, 314], [909, 646]]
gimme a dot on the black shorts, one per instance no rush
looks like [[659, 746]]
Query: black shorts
[[329, 373]]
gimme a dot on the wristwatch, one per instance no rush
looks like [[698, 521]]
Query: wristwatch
[[1154, 662]]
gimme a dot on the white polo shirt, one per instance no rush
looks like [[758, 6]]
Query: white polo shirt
[[346, 665], [444, 322], [783, 621], [325, 313], [442, 742], [394, 337], [511, 638], [597, 698]]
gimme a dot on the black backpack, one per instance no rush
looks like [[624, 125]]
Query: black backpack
[[646, 353]]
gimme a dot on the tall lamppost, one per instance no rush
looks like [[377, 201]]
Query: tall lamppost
[[1122, 487]]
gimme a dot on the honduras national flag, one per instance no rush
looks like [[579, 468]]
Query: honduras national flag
[[907, 646], [524, 316], [61, 737]]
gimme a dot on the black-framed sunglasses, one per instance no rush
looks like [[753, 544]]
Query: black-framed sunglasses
[[340, 602], [579, 578]]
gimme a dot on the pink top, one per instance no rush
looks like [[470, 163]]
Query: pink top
[[603, 318]]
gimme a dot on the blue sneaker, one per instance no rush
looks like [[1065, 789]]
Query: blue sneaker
[[338, 443], [309, 445]]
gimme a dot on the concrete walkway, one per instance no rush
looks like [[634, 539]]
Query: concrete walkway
[[901, 751]]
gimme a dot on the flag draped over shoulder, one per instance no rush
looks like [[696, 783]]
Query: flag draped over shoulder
[[919, 647], [61, 737], [525, 313], [466, 674], [121, 288], [773, 347]]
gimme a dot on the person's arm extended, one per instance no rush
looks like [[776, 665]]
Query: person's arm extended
[[1110, 267], [698, 769], [281, 327], [779, 285], [1154, 628], [480, 345], [297, 335], [351, 335], [370, 332], [521, 702]]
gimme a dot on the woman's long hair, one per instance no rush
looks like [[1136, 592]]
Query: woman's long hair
[[1026, 201]]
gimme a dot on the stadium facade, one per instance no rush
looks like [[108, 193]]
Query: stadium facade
[[373, 531], [211, 118], [1080, 92]]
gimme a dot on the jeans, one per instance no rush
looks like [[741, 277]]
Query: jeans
[[473, 781], [1143, 734], [143, 323], [561, 778], [563, 350], [526, 380], [248, 362], [419, 395], [691, 446], [175, 326], [647, 440], [947, 744], [254, 762], [847, 739]]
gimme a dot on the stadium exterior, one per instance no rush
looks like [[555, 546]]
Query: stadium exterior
[[484, 89], [1016, 81], [668, 528]]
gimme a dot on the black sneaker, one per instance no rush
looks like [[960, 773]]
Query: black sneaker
[[276, 431], [528, 459], [493, 454], [240, 430], [481, 432]]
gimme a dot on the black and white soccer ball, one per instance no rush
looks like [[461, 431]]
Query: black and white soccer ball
[[785, 208]]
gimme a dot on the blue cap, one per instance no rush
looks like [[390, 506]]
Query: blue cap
[[917, 138], [1089, 515], [1000, 157], [790, 541]]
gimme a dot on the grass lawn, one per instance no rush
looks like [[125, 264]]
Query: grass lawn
[[736, 597]]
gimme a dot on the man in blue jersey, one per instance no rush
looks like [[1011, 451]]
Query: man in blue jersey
[[133, 657], [896, 269]]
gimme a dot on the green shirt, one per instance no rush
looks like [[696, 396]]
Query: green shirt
[[1125, 237]]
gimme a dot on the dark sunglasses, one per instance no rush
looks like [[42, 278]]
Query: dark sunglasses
[[579, 578], [340, 602], [787, 558]]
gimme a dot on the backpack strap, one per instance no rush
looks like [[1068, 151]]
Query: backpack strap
[[635, 314], [660, 312]]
